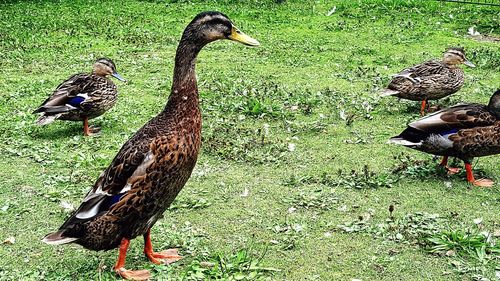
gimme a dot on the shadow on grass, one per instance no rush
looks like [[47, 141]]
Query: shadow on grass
[[54, 132]]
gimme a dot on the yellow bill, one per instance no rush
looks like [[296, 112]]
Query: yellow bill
[[237, 35]]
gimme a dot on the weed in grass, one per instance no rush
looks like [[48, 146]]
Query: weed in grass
[[469, 251], [307, 127], [359, 138], [185, 236], [288, 234], [364, 179], [472, 246], [190, 204], [264, 100], [233, 140], [408, 166], [192, 201], [486, 58], [244, 265], [252, 100], [413, 228], [295, 181], [353, 107], [354, 226], [318, 200]]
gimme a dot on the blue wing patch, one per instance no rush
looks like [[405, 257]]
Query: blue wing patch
[[76, 101], [116, 198], [111, 201], [449, 132]]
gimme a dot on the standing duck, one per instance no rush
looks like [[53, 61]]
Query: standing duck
[[430, 80], [152, 166], [82, 97], [464, 131]]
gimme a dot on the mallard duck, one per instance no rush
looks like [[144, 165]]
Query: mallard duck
[[82, 97], [464, 131], [430, 80], [153, 165]]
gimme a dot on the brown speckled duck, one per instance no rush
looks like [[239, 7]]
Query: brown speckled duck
[[430, 80], [82, 97], [152, 167], [464, 131]]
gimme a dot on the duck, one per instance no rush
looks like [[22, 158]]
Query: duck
[[431, 80], [82, 97], [464, 131], [152, 167]]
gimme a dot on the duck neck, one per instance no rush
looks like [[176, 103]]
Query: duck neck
[[184, 88]]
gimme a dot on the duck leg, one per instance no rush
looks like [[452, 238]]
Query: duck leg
[[86, 131], [480, 182], [119, 267], [422, 108], [444, 163], [89, 130], [166, 257]]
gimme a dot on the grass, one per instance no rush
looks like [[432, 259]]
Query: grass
[[295, 177]]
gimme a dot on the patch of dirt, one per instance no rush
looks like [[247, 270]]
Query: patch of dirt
[[486, 38]]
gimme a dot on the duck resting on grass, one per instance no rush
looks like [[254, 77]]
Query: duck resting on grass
[[151, 167], [82, 97], [464, 131], [430, 80]]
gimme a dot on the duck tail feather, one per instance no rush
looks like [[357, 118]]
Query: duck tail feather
[[55, 109], [389, 92], [46, 119], [401, 141], [58, 238]]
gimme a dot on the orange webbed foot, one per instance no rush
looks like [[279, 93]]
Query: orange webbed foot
[[452, 171], [164, 257], [138, 275], [91, 130], [483, 183], [94, 129]]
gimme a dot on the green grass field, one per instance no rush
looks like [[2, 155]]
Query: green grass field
[[295, 178]]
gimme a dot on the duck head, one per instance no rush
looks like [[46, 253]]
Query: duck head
[[494, 104], [104, 67], [207, 27], [455, 56]]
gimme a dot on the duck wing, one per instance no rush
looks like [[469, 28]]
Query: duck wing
[[129, 165], [479, 141], [460, 116], [415, 75], [424, 69], [445, 122], [68, 95]]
